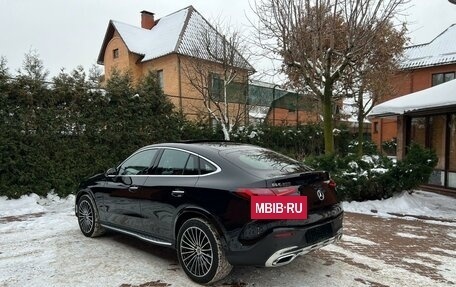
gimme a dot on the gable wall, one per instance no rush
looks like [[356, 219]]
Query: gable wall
[[126, 60]]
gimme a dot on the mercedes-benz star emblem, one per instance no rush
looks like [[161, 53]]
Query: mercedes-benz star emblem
[[320, 194]]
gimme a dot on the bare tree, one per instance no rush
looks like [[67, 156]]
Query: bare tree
[[372, 79], [319, 40], [219, 72]]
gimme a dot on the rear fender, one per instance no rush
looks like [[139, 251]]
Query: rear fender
[[187, 212]]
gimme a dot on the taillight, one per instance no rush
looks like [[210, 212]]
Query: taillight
[[331, 183], [280, 191]]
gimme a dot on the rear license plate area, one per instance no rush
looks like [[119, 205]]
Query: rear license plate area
[[318, 233]]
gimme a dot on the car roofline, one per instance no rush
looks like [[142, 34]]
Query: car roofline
[[205, 141]]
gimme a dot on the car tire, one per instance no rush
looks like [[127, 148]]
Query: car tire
[[88, 218], [200, 252]]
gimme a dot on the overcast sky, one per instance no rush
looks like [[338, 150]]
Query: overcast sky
[[67, 33]]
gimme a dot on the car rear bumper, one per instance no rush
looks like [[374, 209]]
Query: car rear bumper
[[284, 244], [286, 255]]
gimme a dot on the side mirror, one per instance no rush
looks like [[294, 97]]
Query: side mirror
[[112, 172]]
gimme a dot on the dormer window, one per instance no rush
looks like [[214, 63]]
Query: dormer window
[[115, 53]]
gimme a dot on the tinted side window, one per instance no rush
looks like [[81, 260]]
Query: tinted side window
[[206, 167], [138, 163], [172, 162], [191, 168]]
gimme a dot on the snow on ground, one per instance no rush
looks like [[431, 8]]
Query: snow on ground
[[41, 245], [26, 204], [418, 203], [357, 240], [410, 235], [32, 203]]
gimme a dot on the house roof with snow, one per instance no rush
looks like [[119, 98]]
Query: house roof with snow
[[440, 51], [183, 32], [438, 97]]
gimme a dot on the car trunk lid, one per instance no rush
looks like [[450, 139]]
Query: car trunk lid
[[316, 185]]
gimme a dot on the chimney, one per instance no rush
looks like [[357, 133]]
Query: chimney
[[147, 20]]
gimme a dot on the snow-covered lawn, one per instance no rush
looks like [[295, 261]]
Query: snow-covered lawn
[[41, 245]]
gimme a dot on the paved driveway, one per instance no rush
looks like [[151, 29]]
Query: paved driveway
[[47, 249]]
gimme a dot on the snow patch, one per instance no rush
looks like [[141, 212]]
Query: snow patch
[[33, 203], [450, 252], [53, 252], [25, 205], [357, 240], [435, 97], [419, 203], [420, 262], [367, 159], [446, 265], [379, 170], [381, 265], [409, 235], [353, 165]]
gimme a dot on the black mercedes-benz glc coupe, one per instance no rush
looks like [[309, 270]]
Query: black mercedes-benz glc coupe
[[196, 197]]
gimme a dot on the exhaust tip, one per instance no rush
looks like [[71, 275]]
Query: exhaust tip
[[284, 260]]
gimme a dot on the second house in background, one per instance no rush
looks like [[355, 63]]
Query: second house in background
[[186, 52]]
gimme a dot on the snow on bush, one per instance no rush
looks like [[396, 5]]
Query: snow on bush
[[375, 176]]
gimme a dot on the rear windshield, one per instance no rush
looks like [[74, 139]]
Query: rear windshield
[[264, 162]]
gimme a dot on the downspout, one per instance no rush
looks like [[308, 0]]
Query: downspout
[[447, 148], [411, 82], [297, 110], [381, 135], [273, 103]]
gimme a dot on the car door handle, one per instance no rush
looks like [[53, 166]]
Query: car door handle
[[133, 188], [177, 193]]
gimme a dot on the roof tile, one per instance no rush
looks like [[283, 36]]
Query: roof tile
[[181, 32], [440, 51]]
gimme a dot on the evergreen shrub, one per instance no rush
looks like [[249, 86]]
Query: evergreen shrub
[[375, 176], [55, 134]]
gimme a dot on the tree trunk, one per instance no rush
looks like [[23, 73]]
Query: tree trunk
[[360, 118], [328, 124], [360, 135], [226, 133]]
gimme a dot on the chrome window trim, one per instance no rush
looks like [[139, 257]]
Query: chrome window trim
[[217, 168]]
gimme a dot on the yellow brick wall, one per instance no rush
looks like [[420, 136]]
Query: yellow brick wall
[[176, 85], [126, 61]]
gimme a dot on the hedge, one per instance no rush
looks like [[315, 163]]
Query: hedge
[[55, 134]]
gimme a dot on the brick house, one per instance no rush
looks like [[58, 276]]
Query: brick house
[[167, 46], [423, 110], [282, 107]]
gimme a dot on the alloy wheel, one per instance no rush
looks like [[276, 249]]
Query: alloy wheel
[[196, 251], [85, 216]]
